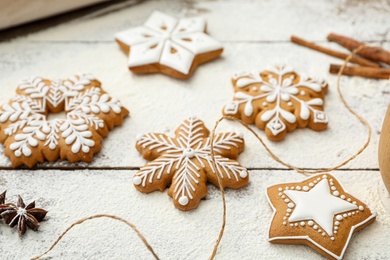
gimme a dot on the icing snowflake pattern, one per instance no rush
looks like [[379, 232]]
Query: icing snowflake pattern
[[185, 161], [26, 130], [168, 41], [278, 100]]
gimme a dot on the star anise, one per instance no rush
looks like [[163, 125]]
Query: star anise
[[3, 205], [24, 216]]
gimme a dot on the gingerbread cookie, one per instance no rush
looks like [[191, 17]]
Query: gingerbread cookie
[[278, 100], [167, 45], [29, 137], [185, 162], [318, 213]]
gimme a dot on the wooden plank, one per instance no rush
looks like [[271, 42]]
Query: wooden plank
[[238, 21], [160, 103], [71, 195]]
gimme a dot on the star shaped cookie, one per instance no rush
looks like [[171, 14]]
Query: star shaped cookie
[[318, 213], [167, 45]]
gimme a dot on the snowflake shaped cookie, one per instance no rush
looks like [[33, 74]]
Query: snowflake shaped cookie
[[29, 137], [318, 213], [167, 45], [278, 100], [185, 162]]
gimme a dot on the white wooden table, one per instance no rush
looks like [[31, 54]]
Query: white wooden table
[[254, 34]]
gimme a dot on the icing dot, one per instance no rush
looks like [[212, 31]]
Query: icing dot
[[183, 200], [18, 153], [331, 183], [302, 93], [332, 238], [254, 88], [264, 104], [345, 215], [290, 104], [243, 174], [315, 227], [190, 153], [354, 202], [324, 176], [339, 217], [302, 223], [296, 224], [305, 188], [337, 223], [287, 214], [289, 210], [137, 180], [286, 188], [361, 208], [335, 228], [319, 230], [101, 125], [286, 200], [52, 146], [284, 218], [283, 196], [323, 234], [343, 197], [336, 193], [333, 188], [291, 225], [292, 187], [353, 213], [335, 232], [315, 182], [284, 223], [318, 179], [349, 199], [349, 214], [298, 188], [280, 189], [280, 194], [139, 137], [290, 205], [311, 184], [310, 223]]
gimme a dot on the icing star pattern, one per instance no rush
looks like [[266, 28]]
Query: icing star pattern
[[278, 100], [316, 212], [185, 162], [172, 44]]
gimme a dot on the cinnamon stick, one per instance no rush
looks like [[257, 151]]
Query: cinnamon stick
[[367, 72], [355, 59], [373, 53]]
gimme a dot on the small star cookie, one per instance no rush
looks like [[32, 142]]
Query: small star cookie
[[184, 161], [318, 213], [278, 100], [169, 46], [29, 136]]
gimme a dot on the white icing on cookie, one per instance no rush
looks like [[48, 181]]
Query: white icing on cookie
[[278, 90], [168, 41], [319, 205], [26, 112]]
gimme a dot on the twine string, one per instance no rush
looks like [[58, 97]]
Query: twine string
[[80, 221], [221, 188]]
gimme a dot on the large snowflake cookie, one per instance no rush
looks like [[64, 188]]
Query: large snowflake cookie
[[167, 45], [30, 137], [278, 100], [185, 162], [317, 212]]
